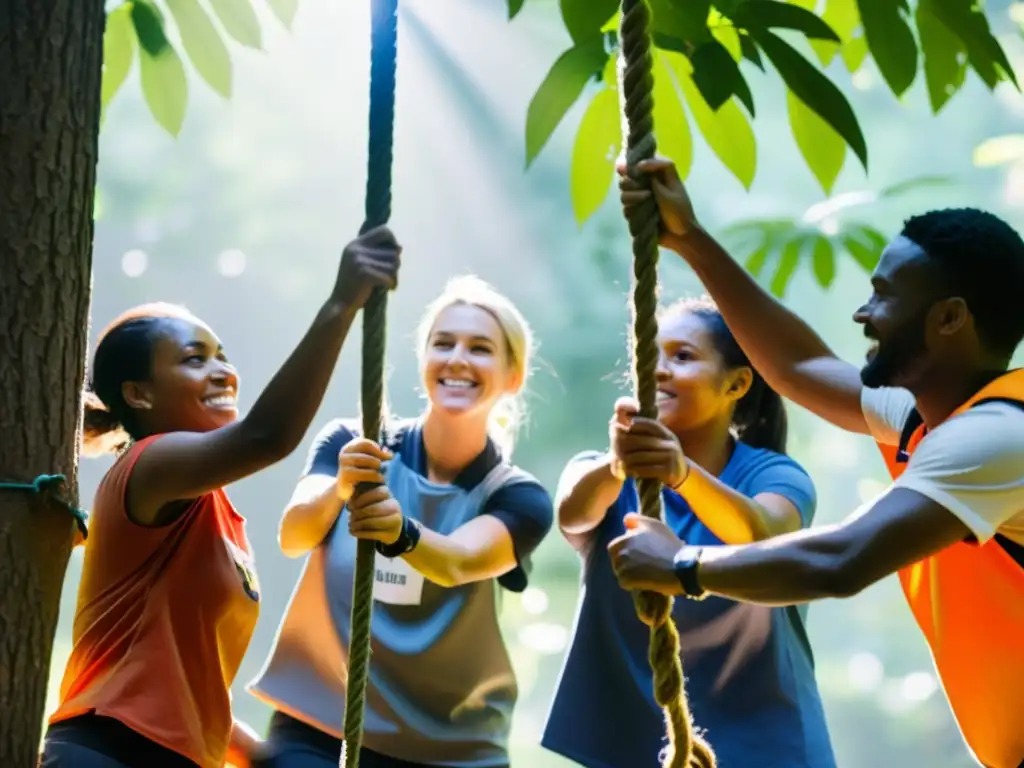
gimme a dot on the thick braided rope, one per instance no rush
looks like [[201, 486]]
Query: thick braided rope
[[383, 69], [636, 84]]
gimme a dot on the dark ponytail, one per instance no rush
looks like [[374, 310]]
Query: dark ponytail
[[760, 418], [102, 432], [124, 353]]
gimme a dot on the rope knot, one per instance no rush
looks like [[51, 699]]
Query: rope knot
[[49, 487], [48, 483]]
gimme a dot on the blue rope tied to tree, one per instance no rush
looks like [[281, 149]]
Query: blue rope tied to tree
[[47, 485], [383, 72]]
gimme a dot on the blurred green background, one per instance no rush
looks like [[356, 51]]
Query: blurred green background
[[243, 218]]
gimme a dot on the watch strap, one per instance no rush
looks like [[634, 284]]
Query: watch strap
[[406, 541], [685, 565]]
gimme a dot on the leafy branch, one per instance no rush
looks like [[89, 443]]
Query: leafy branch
[[776, 248], [138, 31], [706, 48]]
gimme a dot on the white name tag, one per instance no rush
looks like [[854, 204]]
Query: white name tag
[[395, 582]]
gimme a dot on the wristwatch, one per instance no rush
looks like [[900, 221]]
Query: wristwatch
[[685, 565], [406, 541]]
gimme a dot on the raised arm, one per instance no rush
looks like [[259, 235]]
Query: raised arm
[[184, 465], [783, 348]]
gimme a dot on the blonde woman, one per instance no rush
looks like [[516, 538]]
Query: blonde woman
[[453, 521]]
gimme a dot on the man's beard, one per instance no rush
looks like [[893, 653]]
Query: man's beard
[[894, 357]]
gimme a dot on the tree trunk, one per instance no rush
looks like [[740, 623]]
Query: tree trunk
[[51, 57]]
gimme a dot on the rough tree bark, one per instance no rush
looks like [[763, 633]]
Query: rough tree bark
[[51, 58]]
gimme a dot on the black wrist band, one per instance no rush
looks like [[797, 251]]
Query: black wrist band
[[685, 566], [406, 541]]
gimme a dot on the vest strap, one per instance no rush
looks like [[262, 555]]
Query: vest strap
[[914, 421]]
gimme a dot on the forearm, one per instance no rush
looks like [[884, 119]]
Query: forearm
[[774, 338], [731, 516], [287, 405], [305, 524], [583, 506], [793, 568], [450, 561]]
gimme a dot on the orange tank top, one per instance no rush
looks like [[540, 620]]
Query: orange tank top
[[164, 616], [968, 601]]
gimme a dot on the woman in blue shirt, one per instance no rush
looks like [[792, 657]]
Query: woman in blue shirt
[[718, 446], [453, 522]]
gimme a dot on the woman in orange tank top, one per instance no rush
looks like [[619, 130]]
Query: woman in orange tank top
[[168, 597]]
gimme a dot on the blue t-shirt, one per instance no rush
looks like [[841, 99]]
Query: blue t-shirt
[[749, 670]]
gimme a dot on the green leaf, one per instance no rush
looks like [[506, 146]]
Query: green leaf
[[239, 21], [164, 87], [758, 227], [788, 262], [823, 261], [822, 148], [717, 75], [727, 35], [1016, 14], [854, 53], [1000, 150], [750, 51], [920, 182], [816, 91], [585, 18], [149, 27], [891, 42], [686, 21], [770, 14], [613, 24], [841, 16], [118, 51], [945, 60], [593, 154], [202, 44], [727, 132], [559, 91], [986, 56], [671, 128], [285, 10], [759, 257], [514, 7], [865, 244]]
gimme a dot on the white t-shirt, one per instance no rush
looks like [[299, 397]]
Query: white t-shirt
[[971, 464]]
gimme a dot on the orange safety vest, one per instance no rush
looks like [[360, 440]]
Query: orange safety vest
[[969, 603]]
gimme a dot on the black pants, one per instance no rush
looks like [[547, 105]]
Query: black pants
[[91, 741], [293, 744]]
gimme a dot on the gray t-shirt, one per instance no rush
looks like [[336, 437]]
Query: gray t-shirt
[[441, 687]]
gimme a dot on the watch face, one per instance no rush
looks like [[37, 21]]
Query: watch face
[[686, 572]]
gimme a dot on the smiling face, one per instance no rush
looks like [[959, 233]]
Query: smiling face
[[694, 385], [466, 366], [192, 387], [897, 316]]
